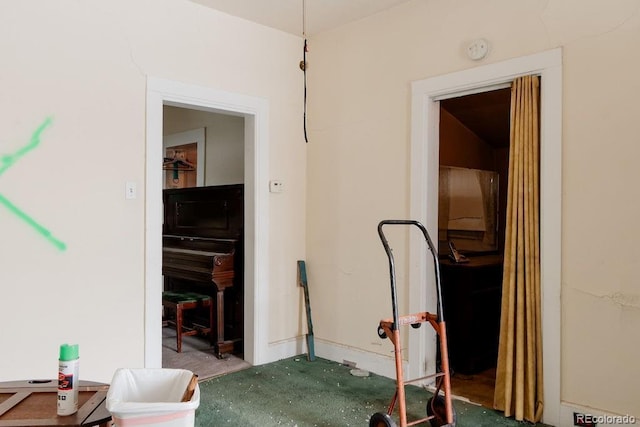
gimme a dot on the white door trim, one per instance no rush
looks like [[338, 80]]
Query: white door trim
[[256, 114], [424, 199]]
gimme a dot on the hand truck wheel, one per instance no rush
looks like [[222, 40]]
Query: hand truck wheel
[[436, 406], [380, 419], [381, 333]]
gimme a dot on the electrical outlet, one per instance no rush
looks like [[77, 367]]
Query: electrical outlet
[[349, 363]]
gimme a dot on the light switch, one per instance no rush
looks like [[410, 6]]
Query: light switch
[[130, 190]]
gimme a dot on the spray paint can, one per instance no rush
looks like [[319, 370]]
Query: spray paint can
[[68, 379]]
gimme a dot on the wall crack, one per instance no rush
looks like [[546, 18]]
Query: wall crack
[[621, 299]]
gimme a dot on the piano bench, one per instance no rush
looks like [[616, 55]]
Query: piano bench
[[180, 301]]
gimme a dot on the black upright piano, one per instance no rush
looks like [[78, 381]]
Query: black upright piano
[[202, 251]]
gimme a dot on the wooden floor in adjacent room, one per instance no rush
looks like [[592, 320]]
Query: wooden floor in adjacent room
[[197, 356], [478, 388]]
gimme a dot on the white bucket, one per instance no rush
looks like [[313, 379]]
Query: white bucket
[[152, 397]]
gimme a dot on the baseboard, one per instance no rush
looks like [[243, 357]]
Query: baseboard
[[368, 361], [600, 417], [284, 349]]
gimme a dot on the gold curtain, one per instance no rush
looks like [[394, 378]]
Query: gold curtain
[[518, 389]]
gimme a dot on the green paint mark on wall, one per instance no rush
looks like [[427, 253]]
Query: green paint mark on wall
[[9, 160]]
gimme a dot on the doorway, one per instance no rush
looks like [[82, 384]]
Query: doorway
[[425, 110], [474, 162], [160, 93], [211, 145]]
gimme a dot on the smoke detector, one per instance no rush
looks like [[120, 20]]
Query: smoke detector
[[478, 49]]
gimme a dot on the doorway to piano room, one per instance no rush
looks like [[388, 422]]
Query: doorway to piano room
[[204, 168], [254, 112]]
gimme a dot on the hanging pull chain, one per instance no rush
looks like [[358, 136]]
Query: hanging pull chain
[[303, 67]]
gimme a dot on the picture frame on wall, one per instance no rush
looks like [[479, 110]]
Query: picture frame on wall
[[183, 164]]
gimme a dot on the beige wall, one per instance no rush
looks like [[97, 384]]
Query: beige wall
[[359, 120], [85, 65]]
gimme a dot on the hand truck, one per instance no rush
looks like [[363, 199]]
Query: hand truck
[[440, 411]]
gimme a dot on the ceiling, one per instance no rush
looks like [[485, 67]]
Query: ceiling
[[486, 114], [286, 15]]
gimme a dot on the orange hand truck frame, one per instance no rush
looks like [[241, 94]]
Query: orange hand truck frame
[[440, 411]]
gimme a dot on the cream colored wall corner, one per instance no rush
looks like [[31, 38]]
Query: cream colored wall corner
[[85, 65], [359, 120]]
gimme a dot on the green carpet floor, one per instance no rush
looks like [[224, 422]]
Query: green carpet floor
[[295, 392]]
